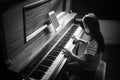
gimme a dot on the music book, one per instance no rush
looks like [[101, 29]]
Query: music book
[[54, 20]]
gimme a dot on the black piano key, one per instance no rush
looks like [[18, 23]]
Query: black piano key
[[37, 75], [65, 39], [67, 36], [42, 68], [54, 53], [63, 42], [60, 45], [49, 57], [39, 72], [72, 29], [57, 49], [47, 63]]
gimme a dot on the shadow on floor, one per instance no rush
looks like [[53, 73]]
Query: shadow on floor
[[111, 56]]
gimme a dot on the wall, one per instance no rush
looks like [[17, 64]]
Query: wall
[[102, 8], [106, 11], [110, 30]]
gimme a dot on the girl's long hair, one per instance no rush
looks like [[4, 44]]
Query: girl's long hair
[[93, 24]]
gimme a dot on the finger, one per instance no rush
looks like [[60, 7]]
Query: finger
[[67, 50], [83, 41], [77, 40], [73, 37], [64, 50]]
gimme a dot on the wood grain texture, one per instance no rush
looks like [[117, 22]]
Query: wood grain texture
[[20, 53], [36, 17], [31, 51], [14, 27]]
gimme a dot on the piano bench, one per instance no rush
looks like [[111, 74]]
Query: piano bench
[[101, 71]]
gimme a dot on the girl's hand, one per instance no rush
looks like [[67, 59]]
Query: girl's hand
[[78, 40], [68, 52]]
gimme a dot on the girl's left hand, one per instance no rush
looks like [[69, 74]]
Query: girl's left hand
[[67, 52]]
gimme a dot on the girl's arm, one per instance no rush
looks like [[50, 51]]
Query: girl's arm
[[74, 57]]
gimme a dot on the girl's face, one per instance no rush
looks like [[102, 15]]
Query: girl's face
[[87, 30]]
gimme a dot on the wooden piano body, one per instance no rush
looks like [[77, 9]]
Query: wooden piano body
[[28, 33]]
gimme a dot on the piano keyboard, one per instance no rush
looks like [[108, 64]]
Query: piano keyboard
[[50, 63]]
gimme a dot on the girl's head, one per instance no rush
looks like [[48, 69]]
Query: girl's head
[[91, 22]]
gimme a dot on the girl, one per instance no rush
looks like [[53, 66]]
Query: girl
[[84, 67]]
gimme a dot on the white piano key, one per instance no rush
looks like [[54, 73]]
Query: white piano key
[[52, 67], [70, 45], [78, 32]]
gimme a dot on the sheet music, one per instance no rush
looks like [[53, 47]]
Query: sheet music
[[54, 19]]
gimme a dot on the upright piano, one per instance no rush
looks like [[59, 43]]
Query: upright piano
[[33, 46]]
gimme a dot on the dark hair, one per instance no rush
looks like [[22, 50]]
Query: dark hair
[[93, 24]]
